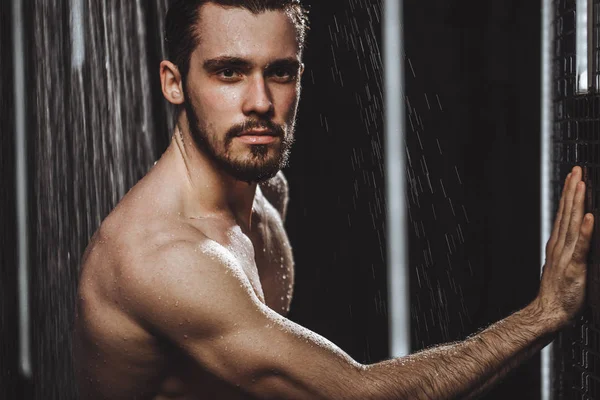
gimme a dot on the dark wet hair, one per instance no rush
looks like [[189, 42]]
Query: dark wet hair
[[182, 37]]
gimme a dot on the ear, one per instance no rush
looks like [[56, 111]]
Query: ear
[[301, 69], [170, 80]]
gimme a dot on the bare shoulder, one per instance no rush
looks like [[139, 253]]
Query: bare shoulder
[[141, 284], [276, 191], [144, 249], [147, 270], [187, 288], [123, 241]]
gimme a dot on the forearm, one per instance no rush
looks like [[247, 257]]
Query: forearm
[[463, 370]]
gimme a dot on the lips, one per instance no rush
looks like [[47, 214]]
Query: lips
[[257, 137], [257, 132]]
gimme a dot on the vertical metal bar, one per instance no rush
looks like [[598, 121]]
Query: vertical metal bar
[[583, 36], [77, 36], [398, 277], [546, 168], [21, 188], [591, 45]]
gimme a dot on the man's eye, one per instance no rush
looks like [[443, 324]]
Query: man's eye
[[228, 74], [283, 74]]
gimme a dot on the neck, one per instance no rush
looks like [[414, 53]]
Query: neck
[[207, 189]]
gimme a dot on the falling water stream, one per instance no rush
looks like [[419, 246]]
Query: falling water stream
[[433, 178], [96, 134]]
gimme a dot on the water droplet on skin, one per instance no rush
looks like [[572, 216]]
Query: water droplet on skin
[[185, 336]]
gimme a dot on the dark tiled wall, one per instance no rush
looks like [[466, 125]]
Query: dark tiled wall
[[577, 142]]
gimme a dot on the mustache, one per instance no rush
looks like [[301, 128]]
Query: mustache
[[272, 128]]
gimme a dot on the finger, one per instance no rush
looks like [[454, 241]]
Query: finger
[[582, 247], [576, 217], [557, 219], [566, 215]]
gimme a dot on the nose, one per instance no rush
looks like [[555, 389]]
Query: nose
[[258, 99]]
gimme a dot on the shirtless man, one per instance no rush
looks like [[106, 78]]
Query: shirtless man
[[184, 288]]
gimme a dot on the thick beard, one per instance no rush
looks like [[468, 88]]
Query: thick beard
[[259, 169]]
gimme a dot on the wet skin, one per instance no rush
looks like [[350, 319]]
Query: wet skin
[[184, 288], [179, 307], [185, 214], [123, 358]]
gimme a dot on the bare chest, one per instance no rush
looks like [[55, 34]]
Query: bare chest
[[269, 265], [274, 267]]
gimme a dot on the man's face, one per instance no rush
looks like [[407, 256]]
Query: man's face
[[242, 90]]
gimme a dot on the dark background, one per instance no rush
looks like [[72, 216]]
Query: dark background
[[477, 260], [472, 89], [9, 380]]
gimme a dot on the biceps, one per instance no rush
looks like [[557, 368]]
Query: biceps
[[280, 359]]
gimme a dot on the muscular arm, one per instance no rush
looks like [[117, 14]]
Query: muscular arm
[[199, 298]]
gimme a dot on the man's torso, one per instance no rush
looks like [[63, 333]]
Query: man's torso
[[118, 357]]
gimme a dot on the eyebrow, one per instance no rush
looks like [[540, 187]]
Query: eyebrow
[[226, 62], [290, 63], [238, 62]]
